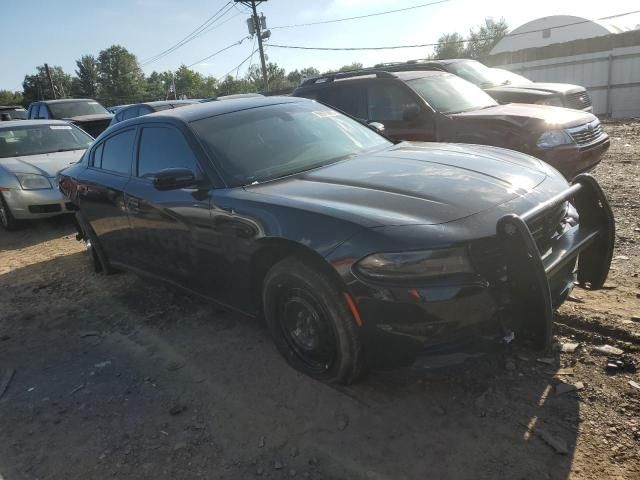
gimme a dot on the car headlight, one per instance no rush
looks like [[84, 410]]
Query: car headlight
[[554, 138], [417, 265], [31, 181], [551, 100]]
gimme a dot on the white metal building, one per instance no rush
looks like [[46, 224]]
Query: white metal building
[[603, 57], [556, 29]]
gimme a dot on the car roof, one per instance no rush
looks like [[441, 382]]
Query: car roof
[[26, 123], [396, 73], [68, 100], [198, 111], [11, 107]]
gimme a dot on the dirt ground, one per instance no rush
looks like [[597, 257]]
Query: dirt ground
[[118, 378]]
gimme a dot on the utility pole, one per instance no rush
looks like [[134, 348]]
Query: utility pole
[[259, 24], [53, 90]]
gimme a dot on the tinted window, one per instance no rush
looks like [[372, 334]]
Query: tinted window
[[44, 111], [351, 99], [37, 139], [33, 112], [131, 112], [96, 160], [388, 101], [268, 142], [74, 109], [163, 147], [117, 152]]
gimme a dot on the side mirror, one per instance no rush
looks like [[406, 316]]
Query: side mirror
[[174, 179], [378, 126], [411, 113]]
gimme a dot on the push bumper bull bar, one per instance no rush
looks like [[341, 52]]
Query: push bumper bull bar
[[531, 273]]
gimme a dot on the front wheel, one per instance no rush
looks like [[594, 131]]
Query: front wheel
[[310, 322], [7, 220]]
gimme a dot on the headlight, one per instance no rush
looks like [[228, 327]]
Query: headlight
[[415, 265], [551, 100], [31, 181], [553, 138]]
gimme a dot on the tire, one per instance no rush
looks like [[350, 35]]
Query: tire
[[310, 322], [98, 257], [7, 221]]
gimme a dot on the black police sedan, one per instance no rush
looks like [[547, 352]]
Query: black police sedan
[[359, 252]]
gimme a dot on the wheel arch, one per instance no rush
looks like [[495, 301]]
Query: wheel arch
[[274, 250]]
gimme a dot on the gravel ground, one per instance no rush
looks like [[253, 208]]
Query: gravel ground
[[116, 377]]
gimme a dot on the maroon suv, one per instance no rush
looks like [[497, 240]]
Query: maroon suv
[[441, 107]]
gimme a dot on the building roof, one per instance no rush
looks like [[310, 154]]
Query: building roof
[[555, 29]]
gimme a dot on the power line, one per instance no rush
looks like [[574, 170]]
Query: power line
[[493, 37], [219, 51], [238, 66], [193, 35], [361, 16]]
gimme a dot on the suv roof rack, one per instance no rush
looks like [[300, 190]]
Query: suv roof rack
[[354, 73]]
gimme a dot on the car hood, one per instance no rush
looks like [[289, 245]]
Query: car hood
[[545, 88], [411, 183], [91, 118], [47, 164], [553, 116]]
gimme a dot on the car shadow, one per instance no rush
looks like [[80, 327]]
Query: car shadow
[[115, 376]]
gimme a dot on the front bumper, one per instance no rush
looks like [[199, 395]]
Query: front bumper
[[572, 160], [401, 323], [34, 204]]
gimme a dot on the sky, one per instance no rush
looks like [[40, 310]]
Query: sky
[[59, 32]]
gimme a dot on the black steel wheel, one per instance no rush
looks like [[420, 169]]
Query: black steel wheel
[[310, 322]]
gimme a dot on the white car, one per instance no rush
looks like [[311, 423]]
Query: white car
[[31, 153]]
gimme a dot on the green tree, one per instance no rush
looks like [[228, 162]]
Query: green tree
[[230, 86], [37, 87], [482, 40], [297, 76], [276, 77], [450, 45], [10, 98], [121, 79], [156, 86], [351, 66], [87, 77]]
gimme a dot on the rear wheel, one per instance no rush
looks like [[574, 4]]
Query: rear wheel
[[310, 322], [7, 220], [97, 255]]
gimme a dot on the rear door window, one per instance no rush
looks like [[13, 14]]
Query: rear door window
[[162, 148], [117, 152], [388, 102], [351, 99], [33, 112], [44, 111]]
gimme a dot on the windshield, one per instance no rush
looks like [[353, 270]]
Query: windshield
[[76, 109], [474, 72], [38, 139], [450, 94], [263, 143]]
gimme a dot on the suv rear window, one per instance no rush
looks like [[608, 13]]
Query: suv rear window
[[75, 109]]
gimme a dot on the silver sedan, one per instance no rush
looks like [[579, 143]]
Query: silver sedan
[[31, 153]]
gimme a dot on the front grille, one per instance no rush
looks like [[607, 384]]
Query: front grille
[[586, 134], [488, 255], [577, 100], [51, 208], [546, 227]]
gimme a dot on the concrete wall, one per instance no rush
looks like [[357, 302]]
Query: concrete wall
[[608, 66]]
